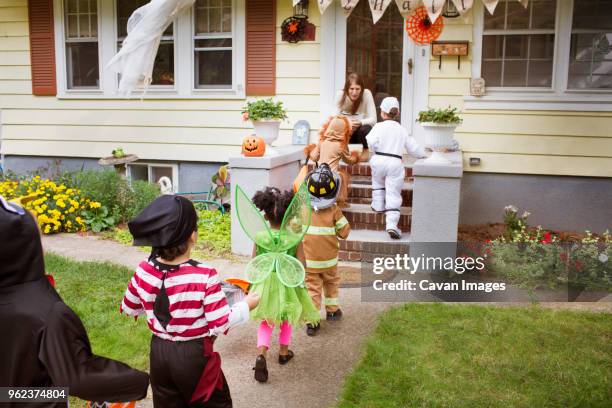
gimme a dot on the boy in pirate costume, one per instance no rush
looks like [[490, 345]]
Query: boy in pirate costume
[[43, 342], [184, 306], [321, 242]]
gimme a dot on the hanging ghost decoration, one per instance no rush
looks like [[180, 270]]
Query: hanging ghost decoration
[[378, 8], [348, 6], [323, 5], [463, 6], [145, 28], [434, 8]]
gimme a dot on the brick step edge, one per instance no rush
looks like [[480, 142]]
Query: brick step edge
[[362, 169], [357, 251], [373, 221]]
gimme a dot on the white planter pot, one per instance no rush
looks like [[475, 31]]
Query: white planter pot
[[268, 131], [438, 137]]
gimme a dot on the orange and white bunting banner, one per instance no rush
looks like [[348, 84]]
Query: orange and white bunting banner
[[348, 6], [463, 6], [378, 8], [406, 7], [323, 5], [434, 8]]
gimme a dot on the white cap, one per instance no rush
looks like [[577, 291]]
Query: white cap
[[389, 103]]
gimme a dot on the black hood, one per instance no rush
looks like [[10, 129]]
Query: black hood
[[21, 254]]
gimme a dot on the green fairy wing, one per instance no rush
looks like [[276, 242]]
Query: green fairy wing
[[252, 222], [289, 270], [258, 269], [296, 220]]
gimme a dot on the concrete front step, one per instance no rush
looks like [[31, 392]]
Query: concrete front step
[[360, 191], [361, 216], [365, 245]]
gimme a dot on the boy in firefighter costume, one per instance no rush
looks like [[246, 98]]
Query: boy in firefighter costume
[[321, 242], [43, 342], [388, 140], [333, 147]]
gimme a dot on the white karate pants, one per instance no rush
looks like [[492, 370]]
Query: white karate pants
[[387, 183]]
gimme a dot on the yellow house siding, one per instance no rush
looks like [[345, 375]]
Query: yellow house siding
[[14, 48], [515, 141], [154, 129]]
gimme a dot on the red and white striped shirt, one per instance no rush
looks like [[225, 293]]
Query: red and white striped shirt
[[198, 306]]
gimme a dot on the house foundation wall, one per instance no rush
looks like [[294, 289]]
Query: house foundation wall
[[555, 202]]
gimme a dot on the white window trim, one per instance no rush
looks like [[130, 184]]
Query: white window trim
[[184, 86], [175, 172], [558, 97]]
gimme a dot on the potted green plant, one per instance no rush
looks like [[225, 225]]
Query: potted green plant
[[266, 116], [439, 130]]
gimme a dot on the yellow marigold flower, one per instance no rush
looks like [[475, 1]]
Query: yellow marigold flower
[[95, 204], [60, 203], [47, 229]]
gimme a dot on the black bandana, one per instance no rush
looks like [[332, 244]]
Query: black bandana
[[166, 222]]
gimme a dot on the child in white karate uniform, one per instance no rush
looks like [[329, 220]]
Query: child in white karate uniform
[[388, 140]]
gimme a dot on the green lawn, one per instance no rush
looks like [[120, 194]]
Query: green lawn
[[436, 355], [94, 291]]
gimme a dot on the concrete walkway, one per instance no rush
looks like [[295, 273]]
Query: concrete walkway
[[315, 376], [311, 380]]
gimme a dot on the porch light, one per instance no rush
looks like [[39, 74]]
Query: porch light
[[301, 9], [450, 11]]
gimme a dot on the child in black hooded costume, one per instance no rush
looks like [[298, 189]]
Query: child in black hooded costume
[[43, 342]]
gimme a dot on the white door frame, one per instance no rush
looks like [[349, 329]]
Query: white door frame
[[333, 68]]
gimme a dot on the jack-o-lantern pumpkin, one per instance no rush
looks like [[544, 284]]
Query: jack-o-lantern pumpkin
[[253, 146]]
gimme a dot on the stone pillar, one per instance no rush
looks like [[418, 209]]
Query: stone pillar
[[435, 206], [255, 173]]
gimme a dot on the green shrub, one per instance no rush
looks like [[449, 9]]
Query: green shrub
[[115, 193], [441, 116]]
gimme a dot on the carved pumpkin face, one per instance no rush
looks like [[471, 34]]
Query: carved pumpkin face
[[253, 146]]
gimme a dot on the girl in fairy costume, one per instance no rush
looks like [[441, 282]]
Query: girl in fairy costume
[[277, 272]]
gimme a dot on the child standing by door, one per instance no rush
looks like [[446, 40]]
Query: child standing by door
[[388, 140]]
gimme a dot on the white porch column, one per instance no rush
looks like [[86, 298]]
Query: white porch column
[[435, 207], [255, 173]]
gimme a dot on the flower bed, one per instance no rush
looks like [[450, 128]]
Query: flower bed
[[57, 207]]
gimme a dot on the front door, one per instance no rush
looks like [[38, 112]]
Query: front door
[[384, 56]]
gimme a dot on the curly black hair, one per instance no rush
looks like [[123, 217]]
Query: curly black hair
[[273, 203]]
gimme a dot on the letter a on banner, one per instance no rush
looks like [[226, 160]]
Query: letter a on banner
[[434, 8], [463, 6], [348, 6], [490, 5], [406, 7], [378, 8], [323, 5]]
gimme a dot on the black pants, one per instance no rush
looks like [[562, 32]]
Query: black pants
[[359, 135], [176, 367]]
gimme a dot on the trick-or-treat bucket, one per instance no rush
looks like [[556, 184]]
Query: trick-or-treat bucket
[[233, 292]]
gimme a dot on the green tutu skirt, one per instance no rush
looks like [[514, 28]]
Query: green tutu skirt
[[278, 303]]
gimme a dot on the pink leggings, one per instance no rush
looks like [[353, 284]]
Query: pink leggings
[[264, 332]]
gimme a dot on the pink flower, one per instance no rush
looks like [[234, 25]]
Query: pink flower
[[245, 116]]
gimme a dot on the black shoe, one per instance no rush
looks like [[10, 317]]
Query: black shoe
[[285, 359], [261, 369], [311, 330], [335, 316], [394, 234]]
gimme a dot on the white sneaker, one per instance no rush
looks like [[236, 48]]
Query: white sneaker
[[394, 233]]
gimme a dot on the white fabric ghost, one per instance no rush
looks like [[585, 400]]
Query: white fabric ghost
[[145, 28]]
